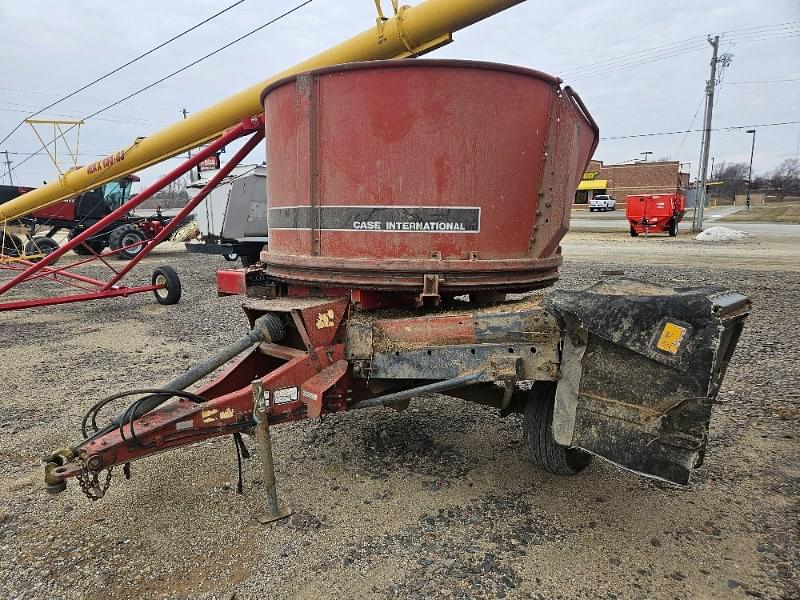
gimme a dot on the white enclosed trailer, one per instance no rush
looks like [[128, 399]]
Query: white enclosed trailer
[[233, 218]]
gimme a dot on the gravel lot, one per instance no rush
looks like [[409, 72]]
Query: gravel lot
[[434, 502]]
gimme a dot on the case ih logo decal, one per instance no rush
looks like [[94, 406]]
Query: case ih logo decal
[[401, 219], [106, 162]]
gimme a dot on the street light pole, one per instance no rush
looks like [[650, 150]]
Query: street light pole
[[750, 172]]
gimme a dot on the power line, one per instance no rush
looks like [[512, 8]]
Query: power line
[[127, 64], [40, 93], [201, 59], [761, 81], [626, 59], [773, 26], [634, 55], [770, 38], [636, 63], [43, 153], [182, 69], [131, 121], [731, 128], [683, 141], [632, 59]]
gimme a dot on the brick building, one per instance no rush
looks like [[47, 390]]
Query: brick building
[[633, 178]]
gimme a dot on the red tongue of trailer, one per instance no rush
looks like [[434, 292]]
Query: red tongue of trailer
[[409, 184]]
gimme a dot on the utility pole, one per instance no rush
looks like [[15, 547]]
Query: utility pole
[[8, 167], [711, 84], [750, 172], [646, 154]]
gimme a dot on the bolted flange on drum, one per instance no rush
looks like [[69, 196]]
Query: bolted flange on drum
[[441, 176]]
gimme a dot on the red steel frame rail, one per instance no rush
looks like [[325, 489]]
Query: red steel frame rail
[[95, 288]]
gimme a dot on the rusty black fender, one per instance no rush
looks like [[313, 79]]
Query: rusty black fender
[[641, 365]]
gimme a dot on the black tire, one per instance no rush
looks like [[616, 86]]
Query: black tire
[[591, 209], [248, 260], [673, 228], [231, 256], [41, 245], [10, 245], [171, 293], [96, 244], [125, 235], [538, 434], [634, 233]]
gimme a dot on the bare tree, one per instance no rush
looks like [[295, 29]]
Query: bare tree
[[785, 180], [733, 177], [174, 195]]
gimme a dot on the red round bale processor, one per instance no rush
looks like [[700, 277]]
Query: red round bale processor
[[424, 176], [399, 184]]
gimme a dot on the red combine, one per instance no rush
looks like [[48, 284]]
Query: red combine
[[655, 213], [405, 199]]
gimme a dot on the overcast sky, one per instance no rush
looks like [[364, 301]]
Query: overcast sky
[[51, 48]]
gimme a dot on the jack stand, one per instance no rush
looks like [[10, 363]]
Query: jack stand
[[261, 415]]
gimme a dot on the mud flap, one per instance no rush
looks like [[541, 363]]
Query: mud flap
[[641, 366]]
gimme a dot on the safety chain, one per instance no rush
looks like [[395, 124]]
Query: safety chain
[[90, 484]]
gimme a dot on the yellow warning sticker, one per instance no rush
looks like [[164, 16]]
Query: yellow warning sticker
[[671, 337], [326, 319], [209, 415]]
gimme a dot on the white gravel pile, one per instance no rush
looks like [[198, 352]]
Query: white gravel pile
[[722, 234]]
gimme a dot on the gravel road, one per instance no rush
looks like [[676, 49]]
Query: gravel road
[[434, 502]]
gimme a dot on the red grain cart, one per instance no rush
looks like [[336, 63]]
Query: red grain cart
[[655, 213]]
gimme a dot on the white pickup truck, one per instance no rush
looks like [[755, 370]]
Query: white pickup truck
[[602, 202]]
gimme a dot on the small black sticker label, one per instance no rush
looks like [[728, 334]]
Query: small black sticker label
[[401, 219]]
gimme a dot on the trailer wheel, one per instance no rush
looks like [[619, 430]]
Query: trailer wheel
[[127, 235], [673, 228], [538, 434], [171, 292], [41, 245], [10, 244]]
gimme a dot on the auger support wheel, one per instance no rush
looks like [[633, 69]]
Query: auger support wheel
[[170, 292]]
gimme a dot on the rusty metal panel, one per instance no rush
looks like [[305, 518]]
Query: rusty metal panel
[[358, 340], [429, 171], [638, 387], [520, 362]]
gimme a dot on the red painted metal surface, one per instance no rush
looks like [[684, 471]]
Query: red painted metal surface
[[654, 213], [60, 210], [299, 383], [403, 169], [430, 329], [231, 282]]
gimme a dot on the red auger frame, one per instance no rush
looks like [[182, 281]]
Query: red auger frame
[[165, 285]]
